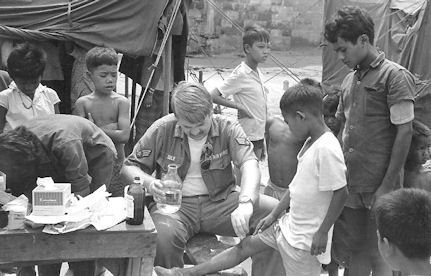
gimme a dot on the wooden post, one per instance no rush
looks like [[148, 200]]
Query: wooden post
[[126, 86], [167, 74]]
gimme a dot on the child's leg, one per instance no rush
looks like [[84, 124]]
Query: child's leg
[[226, 259]]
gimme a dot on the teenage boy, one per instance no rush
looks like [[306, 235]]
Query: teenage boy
[[246, 87], [404, 230], [316, 197], [376, 109], [105, 108]]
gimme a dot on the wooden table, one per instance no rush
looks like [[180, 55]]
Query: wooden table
[[31, 246]]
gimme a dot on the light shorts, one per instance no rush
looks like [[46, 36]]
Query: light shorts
[[296, 262]]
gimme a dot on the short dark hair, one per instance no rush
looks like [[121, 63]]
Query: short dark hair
[[20, 142], [349, 24], [302, 97], [311, 82], [404, 218], [100, 56], [253, 33], [26, 61]]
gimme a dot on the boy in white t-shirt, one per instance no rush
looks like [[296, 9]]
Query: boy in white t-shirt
[[316, 197]]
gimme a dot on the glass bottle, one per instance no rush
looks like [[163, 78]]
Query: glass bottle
[[135, 197], [172, 186]]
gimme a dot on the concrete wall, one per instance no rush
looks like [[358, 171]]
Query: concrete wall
[[290, 22]]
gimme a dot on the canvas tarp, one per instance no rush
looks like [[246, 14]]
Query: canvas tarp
[[402, 31], [129, 26]]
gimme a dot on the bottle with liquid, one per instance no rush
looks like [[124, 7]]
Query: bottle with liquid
[[172, 186], [135, 196]]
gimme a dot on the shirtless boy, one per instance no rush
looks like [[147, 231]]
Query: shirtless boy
[[282, 149], [104, 107]]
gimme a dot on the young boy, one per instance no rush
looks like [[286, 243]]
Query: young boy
[[282, 147], [404, 230], [376, 110], [106, 108], [246, 86], [316, 197], [26, 98], [415, 174]]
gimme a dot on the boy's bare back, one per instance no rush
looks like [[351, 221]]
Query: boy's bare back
[[283, 149]]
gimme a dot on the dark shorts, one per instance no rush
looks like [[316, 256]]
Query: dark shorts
[[355, 230]]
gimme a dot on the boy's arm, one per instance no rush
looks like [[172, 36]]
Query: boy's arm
[[3, 112], [79, 109], [219, 99], [399, 153], [121, 134], [275, 213], [268, 125], [320, 239]]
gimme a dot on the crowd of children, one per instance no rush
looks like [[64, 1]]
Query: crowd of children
[[346, 167]]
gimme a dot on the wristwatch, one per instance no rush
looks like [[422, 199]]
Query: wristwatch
[[244, 199]]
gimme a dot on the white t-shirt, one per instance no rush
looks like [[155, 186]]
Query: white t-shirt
[[321, 170], [193, 183], [247, 88], [21, 108]]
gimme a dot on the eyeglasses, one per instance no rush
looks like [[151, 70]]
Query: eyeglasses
[[207, 151]]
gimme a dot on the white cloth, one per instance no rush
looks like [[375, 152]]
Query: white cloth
[[247, 88], [194, 184], [321, 170], [16, 102]]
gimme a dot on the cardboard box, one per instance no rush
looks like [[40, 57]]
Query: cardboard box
[[51, 200]]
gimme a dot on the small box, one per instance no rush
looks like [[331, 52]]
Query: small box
[[51, 200]]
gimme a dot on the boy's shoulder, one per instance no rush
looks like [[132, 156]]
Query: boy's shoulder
[[118, 97]]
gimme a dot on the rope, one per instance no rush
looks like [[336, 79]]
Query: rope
[[11, 32], [159, 55]]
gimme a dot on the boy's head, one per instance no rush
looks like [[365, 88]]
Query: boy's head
[[102, 68], [351, 34], [193, 106], [256, 43], [26, 64], [299, 105], [420, 145], [21, 150], [404, 226]]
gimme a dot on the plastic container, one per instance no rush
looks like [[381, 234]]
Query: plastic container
[[135, 197], [172, 187]]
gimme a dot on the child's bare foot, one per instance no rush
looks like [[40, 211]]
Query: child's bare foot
[[161, 271]]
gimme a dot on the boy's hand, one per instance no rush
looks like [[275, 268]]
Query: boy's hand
[[264, 223], [319, 243]]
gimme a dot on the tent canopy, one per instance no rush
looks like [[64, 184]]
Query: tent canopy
[[129, 26]]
